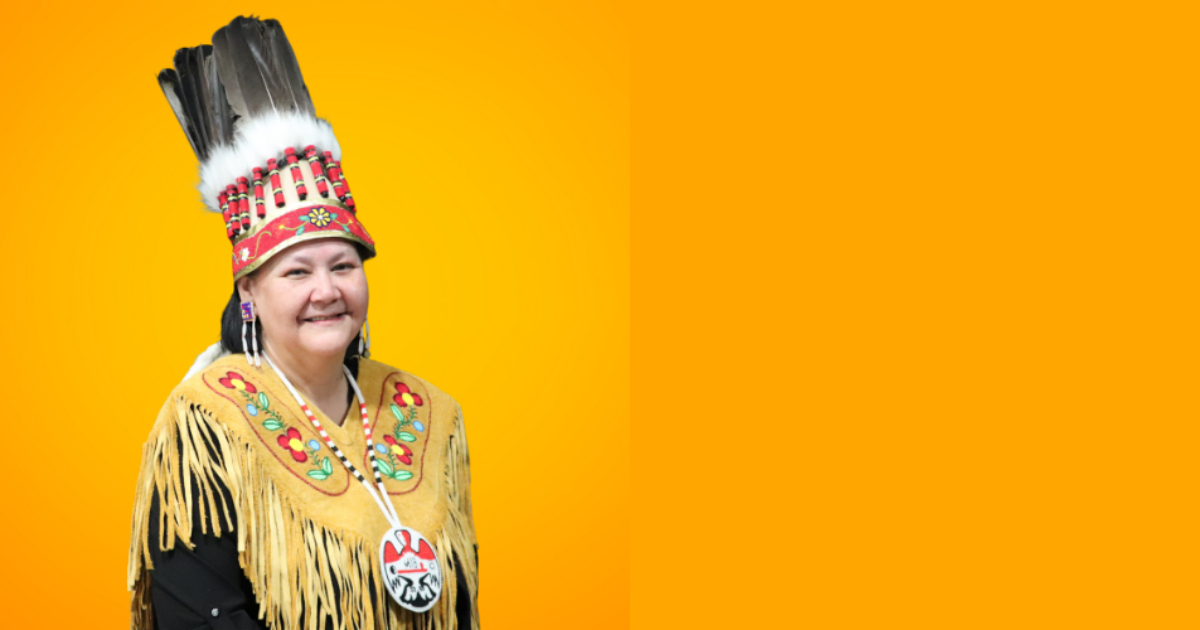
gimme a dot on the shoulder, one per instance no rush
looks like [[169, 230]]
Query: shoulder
[[229, 372], [410, 398], [400, 382], [215, 391]]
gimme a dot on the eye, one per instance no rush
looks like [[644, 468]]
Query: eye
[[295, 273], [343, 266]]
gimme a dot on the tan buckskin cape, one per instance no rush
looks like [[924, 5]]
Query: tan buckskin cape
[[290, 493]]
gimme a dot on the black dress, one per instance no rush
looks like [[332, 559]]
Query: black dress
[[206, 588]]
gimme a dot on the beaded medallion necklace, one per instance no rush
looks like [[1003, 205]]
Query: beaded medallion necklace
[[410, 567]]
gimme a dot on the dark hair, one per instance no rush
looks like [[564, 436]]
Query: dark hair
[[231, 324]]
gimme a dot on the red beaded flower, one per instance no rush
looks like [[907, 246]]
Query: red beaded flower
[[291, 442], [233, 380], [405, 397], [399, 450]]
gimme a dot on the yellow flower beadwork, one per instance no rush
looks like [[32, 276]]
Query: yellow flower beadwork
[[319, 218]]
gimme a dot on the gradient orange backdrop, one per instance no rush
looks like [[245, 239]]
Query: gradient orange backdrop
[[940, 327], [488, 147]]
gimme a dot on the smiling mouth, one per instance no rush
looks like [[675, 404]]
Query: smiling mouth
[[326, 318]]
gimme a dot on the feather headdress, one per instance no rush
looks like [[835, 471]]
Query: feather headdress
[[267, 163]]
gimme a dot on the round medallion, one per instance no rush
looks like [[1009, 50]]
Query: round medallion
[[410, 569]]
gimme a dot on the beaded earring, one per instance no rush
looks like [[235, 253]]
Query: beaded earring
[[248, 320], [364, 341]]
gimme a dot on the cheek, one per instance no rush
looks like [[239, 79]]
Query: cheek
[[357, 297], [280, 310]]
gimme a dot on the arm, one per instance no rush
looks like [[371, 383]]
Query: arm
[[466, 570], [188, 585]]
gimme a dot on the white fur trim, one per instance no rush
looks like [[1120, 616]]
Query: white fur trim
[[255, 141], [205, 359]]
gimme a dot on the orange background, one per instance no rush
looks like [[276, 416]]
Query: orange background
[[488, 148], [913, 301], [931, 345]]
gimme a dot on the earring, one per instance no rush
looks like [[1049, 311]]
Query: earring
[[364, 341], [248, 319], [254, 338]]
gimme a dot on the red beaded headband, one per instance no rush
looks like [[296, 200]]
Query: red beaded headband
[[235, 200]]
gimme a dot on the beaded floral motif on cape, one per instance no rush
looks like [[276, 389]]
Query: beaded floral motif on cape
[[401, 430], [399, 426], [295, 444]]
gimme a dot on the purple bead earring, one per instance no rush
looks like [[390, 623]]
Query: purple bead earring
[[248, 319]]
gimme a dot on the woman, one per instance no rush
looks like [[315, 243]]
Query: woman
[[289, 480]]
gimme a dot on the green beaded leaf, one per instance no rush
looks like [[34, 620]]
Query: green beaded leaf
[[304, 218], [384, 467], [401, 475], [396, 412], [301, 230], [319, 475], [406, 436], [262, 401], [326, 466], [347, 228], [272, 424]]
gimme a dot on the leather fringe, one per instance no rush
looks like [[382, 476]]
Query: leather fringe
[[291, 561]]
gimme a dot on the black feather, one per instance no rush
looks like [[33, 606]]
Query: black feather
[[249, 69], [198, 99], [245, 47], [168, 80], [191, 100], [219, 110], [228, 76], [288, 67], [256, 56], [198, 82], [254, 33]]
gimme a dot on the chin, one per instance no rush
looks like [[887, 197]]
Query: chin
[[326, 345]]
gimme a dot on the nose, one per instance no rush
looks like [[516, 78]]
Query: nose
[[325, 290]]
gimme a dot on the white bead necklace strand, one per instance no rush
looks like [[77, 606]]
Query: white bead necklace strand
[[415, 594]]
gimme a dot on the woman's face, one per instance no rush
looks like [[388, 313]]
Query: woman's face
[[311, 299]]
